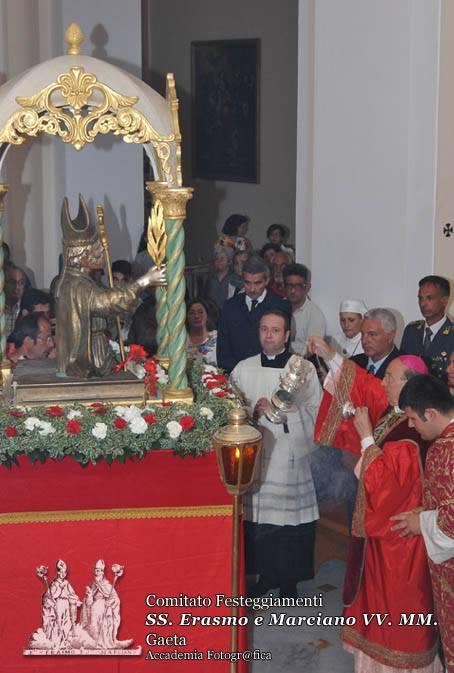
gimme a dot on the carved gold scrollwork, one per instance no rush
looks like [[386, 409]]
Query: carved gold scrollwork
[[172, 100], [90, 107]]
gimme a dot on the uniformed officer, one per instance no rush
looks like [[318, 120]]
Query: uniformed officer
[[433, 337]]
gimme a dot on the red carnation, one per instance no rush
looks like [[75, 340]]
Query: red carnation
[[99, 408], [212, 384], [16, 414], [56, 410], [150, 366], [221, 393], [11, 431], [150, 419], [137, 352], [73, 427], [187, 422], [120, 423], [166, 404], [221, 378]]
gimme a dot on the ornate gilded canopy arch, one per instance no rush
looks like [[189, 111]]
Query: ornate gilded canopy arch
[[76, 98], [78, 104]]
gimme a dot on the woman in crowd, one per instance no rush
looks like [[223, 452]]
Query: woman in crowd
[[351, 313], [268, 252], [202, 335], [222, 276], [277, 234], [234, 234], [236, 283]]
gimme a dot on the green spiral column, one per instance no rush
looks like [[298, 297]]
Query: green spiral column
[[5, 367], [174, 202], [162, 334]]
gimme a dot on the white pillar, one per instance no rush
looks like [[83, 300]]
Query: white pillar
[[366, 193], [444, 245]]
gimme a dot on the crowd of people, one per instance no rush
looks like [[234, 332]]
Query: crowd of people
[[380, 413]]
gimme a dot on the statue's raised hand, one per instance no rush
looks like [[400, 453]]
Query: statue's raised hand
[[154, 276]]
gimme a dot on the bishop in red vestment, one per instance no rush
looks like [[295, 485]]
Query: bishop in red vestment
[[385, 574]]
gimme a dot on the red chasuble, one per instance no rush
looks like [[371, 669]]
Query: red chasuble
[[393, 577], [439, 494], [360, 388], [386, 573]]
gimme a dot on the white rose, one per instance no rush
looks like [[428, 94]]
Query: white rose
[[32, 422], [132, 412], [73, 413], [120, 411], [205, 411], [210, 368], [99, 431], [138, 425], [174, 429], [46, 428]]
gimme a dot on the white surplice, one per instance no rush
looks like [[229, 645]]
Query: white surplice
[[283, 492]]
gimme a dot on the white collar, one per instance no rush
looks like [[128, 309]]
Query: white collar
[[379, 363], [436, 327], [273, 357], [303, 306], [259, 299]]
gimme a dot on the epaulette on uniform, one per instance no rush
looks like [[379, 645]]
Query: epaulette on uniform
[[416, 323]]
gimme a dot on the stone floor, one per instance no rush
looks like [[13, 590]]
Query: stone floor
[[297, 649]]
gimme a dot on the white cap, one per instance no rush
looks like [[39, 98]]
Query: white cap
[[353, 306]]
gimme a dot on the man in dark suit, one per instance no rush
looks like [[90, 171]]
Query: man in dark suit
[[377, 337], [433, 337], [238, 325]]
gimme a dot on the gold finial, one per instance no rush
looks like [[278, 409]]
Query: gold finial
[[74, 37]]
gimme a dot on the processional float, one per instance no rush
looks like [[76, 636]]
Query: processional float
[[76, 98]]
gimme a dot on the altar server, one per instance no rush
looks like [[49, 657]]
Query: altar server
[[281, 508]]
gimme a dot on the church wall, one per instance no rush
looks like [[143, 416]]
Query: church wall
[[42, 172], [367, 129], [173, 26], [20, 49], [110, 172], [444, 245]]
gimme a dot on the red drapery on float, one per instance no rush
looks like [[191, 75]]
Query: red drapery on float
[[167, 520]]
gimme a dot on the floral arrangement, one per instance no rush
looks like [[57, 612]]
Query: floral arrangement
[[217, 383], [142, 366], [106, 432]]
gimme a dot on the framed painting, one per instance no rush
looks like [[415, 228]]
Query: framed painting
[[225, 110]]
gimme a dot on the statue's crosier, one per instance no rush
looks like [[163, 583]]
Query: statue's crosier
[[82, 306]]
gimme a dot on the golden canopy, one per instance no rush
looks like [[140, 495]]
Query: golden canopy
[[76, 97]]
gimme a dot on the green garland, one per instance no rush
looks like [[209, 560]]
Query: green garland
[[106, 432]]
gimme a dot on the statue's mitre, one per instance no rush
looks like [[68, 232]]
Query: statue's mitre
[[82, 230]]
